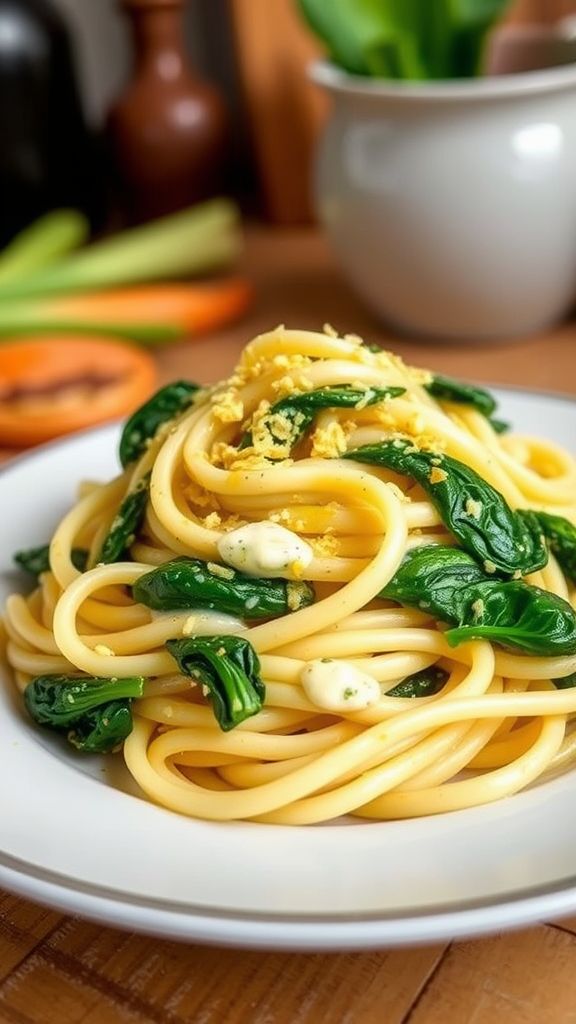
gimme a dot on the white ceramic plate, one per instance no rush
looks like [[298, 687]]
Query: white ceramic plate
[[76, 836]]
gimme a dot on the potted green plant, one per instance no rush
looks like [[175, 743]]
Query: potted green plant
[[449, 197]]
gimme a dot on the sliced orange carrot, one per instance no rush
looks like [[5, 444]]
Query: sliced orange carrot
[[189, 309], [52, 386]]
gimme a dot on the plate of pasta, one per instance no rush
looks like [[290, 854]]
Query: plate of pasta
[[290, 660]]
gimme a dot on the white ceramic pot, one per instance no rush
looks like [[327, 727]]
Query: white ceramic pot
[[452, 206]]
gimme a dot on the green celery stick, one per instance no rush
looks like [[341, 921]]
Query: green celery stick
[[42, 243], [194, 241]]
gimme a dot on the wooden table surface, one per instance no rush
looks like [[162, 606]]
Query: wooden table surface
[[60, 970]]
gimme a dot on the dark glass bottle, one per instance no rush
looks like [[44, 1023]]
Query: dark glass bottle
[[168, 131], [46, 154]]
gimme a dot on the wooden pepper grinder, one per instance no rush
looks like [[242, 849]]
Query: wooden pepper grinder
[[168, 130]]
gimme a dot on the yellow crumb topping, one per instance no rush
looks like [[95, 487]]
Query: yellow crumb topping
[[473, 508], [228, 407], [213, 521], [223, 571], [325, 547], [437, 476], [329, 442]]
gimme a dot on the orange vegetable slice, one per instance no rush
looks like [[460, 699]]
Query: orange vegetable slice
[[52, 386]]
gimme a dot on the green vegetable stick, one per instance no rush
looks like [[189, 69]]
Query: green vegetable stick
[[197, 240], [41, 244]]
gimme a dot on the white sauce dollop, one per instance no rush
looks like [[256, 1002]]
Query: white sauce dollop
[[266, 549], [338, 686]]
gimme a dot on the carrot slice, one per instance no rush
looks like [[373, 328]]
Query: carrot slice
[[194, 308], [53, 386], [146, 313]]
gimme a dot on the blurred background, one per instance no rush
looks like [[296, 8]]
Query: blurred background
[[256, 52], [156, 164]]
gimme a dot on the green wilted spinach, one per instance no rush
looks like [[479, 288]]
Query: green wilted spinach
[[451, 585], [287, 421], [126, 524], [95, 713], [229, 668], [426, 683], [475, 512], [192, 583], [142, 426], [37, 560]]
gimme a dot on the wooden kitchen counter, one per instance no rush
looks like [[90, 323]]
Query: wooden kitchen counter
[[59, 970]]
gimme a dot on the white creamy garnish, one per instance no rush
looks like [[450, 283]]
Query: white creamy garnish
[[338, 686], [266, 549]]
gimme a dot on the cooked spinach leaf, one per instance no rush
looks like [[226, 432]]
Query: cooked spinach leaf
[[126, 524], [515, 614], [288, 420], [426, 683], [144, 423], [566, 683], [450, 390], [431, 577], [449, 583], [37, 560], [475, 512], [229, 668], [95, 713], [499, 426], [192, 583], [561, 536]]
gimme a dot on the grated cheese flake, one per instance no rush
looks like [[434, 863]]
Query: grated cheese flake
[[437, 476], [104, 651]]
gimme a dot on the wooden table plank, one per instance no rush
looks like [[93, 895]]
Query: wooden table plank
[[525, 978], [23, 925], [83, 969]]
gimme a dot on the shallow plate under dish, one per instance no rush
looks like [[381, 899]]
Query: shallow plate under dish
[[77, 838]]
